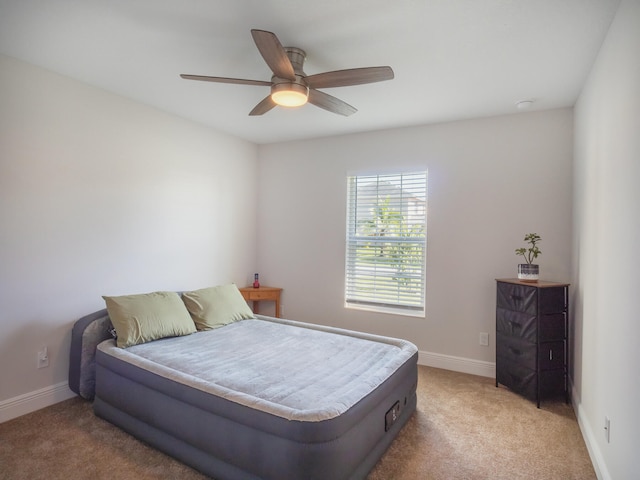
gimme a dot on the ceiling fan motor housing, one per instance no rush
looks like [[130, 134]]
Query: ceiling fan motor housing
[[297, 57], [281, 84]]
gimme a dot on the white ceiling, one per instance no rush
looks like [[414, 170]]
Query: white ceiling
[[453, 59]]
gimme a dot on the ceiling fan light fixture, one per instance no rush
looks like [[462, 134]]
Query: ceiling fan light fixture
[[289, 94]]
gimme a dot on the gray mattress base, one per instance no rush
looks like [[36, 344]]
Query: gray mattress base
[[226, 440], [216, 468]]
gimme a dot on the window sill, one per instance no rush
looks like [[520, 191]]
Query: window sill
[[386, 310]]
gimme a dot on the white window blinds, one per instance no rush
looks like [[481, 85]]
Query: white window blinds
[[386, 241]]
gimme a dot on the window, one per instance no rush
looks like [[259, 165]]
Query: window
[[386, 242]]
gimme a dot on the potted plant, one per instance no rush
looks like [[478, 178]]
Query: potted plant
[[529, 271]]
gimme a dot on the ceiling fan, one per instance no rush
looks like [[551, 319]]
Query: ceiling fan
[[291, 87]]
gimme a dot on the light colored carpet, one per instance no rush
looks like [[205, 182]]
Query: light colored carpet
[[464, 428]]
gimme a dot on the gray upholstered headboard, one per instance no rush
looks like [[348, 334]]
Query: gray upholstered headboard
[[87, 333]]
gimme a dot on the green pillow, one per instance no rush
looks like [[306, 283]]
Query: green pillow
[[216, 306], [149, 316]]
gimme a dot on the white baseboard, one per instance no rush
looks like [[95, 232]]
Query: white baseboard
[[32, 401], [589, 438], [457, 364]]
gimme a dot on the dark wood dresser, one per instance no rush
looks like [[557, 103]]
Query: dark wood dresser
[[532, 348]]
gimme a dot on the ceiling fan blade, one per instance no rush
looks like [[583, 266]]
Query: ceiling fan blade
[[330, 103], [351, 76], [263, 107], [274, 54], [239, 81]]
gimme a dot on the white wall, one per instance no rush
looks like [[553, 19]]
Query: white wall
[[606, 243], [491, 181], [100, 195]]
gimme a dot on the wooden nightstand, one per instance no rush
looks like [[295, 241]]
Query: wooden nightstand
[[256, 295]]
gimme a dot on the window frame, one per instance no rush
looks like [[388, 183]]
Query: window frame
[[406, 187]]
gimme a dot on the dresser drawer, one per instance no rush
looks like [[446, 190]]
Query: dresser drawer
[[552, 355], [516, 324], [552, 383], [553, 327], [518, 378], [514, 350], [553, 300], [518, 298], [258, 295]]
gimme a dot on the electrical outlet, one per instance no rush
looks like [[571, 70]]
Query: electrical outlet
[[43, 358], [607, 428], [484, 339]]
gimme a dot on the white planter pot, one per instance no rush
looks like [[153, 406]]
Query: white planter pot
[[528, 272]]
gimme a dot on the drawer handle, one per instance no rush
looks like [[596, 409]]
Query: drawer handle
[[550, 354], [514, 351], [515, 325]]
